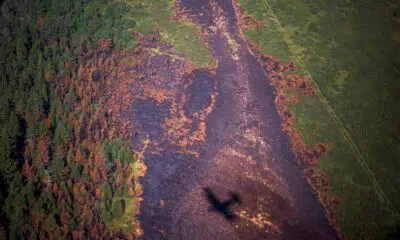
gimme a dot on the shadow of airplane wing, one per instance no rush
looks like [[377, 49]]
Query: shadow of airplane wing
[[234, 199], [211, 197], [222, 207]]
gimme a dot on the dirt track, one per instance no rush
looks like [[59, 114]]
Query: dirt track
[[219, 129]]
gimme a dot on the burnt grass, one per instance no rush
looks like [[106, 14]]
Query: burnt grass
[[226, 128], [307, 157]]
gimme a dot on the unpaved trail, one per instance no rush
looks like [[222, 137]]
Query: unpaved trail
[[218, 129]]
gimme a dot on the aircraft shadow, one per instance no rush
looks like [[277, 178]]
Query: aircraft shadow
[[222, 207]]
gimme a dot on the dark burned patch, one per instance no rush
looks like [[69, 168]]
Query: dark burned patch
[[165, 91], [295, 231], [181, 9], [148, 118], [199, 92], [97, 75], [163, 79]]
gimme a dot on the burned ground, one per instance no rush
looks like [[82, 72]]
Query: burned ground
[[217, 128]]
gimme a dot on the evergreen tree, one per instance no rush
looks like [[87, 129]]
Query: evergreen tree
[[7, 165], [13, 130], [57, 167]]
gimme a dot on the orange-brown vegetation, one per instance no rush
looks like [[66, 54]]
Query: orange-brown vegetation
[[246, 22], [94, 115]]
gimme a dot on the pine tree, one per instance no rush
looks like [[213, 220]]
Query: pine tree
[[7, 165], [13, 130]]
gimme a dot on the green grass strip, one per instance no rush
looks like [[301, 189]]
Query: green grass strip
[[346, 134]]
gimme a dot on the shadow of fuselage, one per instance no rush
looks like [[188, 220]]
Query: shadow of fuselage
[[222, 207]]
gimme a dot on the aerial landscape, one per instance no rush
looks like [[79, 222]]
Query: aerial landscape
[[200, 119]]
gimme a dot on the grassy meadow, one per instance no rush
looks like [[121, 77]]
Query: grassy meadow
[[150, 15], [350, 51]]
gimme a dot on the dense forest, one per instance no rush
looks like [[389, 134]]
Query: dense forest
[[66, 171]]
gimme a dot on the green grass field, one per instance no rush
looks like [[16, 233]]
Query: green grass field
[[350, 52], [145, 17], [150, 15]]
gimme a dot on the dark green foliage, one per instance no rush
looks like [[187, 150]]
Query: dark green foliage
[[118, 208], [38, 38], [62, 132], [13, 130], [8, 166], [30, 189], [112, 205], [15, 206], [108, 192], [106, 204], [57, 166], [116, 150], [104, 19], [75, 170], [45, 202], [70, 98]]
